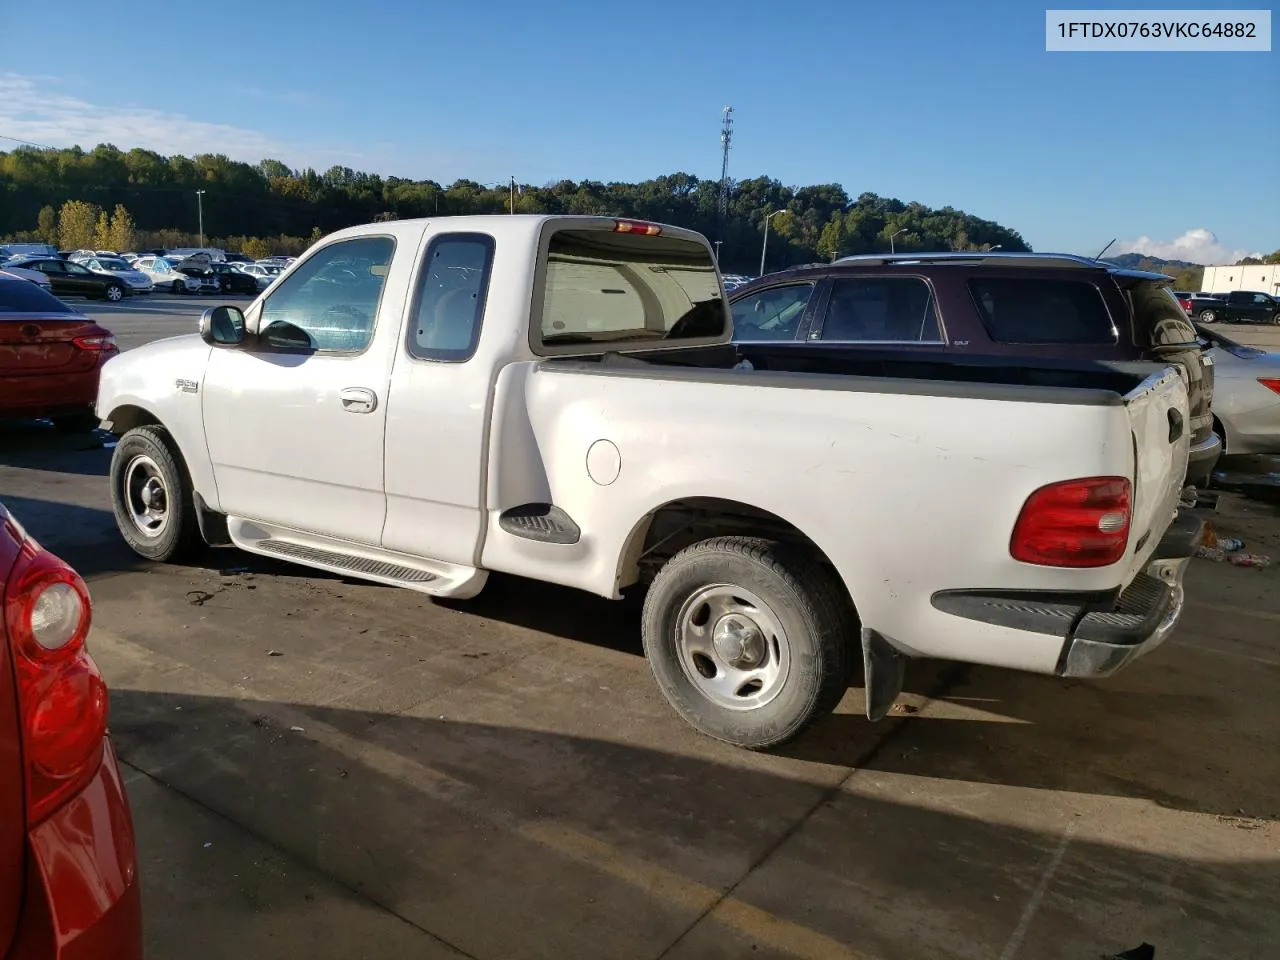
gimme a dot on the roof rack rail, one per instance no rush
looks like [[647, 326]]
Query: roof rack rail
[[1010, 258]]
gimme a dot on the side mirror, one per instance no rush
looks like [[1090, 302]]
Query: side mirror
[[222, 326], [282, 335]]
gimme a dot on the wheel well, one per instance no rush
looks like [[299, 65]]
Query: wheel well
[[676, 525], [1220, 429], [124, 419]]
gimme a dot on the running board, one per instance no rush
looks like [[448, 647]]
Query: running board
[[357, 560]]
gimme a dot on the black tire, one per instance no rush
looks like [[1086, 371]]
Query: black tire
[[76, 423], [179, 287], [1207, 316], [804, 598], [179, 536], [114, 292]]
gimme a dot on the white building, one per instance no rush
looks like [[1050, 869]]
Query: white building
[[1262, 279]]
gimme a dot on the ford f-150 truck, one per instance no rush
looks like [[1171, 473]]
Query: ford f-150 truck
[[1238, 306], [419, 403]]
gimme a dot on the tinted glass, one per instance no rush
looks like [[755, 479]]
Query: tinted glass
[[451, 297], [1158, 318], [333, 297], [772, 314], [604, 287], [78, 269], [22, 296], [1035, 310], [881, 309]]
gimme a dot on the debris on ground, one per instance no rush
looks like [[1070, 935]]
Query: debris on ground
[[1234, 556], [274, 653], [296, 730], [198, 598], [232, 571], [1144, 951]]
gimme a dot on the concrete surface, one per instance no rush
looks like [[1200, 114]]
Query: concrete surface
[[324, 768]]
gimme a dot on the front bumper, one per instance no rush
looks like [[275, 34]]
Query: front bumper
[[1201, 460], [1101, 632]]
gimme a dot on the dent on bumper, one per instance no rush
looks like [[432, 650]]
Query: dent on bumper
[[1101, 632]]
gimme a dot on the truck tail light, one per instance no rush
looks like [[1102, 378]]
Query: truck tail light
[[62, 700], [637, 226], [1271, 383], [96, 344], [1078, 523]]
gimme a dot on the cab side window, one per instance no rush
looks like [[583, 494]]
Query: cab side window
[[452, 287], [772, 314], [330, 302]]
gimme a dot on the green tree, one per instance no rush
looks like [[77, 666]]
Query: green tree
[[256, 247], [76, 222], [1248, 262], [122, 230], [1273, 257], [47, 224], [1189, 279], [102, 232]]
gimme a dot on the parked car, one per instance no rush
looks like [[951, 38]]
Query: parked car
[[68, 862], [989, 304], [30, 250], [558, 398], [73, 279], [34, 276], [50, 357], [202, 268], [232, 280], [1238, 306], [165, 277], [136, 280], [263, 274], [1246, 395], [1184, 300]]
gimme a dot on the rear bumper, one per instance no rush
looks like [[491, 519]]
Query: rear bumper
[[1202, 458], [1101, 632], [49, 394], [82, 899]]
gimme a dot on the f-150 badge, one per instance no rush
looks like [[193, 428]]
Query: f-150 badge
[[187, 386]]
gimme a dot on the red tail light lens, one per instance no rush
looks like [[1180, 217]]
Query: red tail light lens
[[1271, 383], [1079, 523], [637, 226], [62, 700], [95, 344]]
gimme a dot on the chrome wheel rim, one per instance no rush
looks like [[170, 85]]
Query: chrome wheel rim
[[114, 293], [732, 647], [1208, 316], [146, 496]]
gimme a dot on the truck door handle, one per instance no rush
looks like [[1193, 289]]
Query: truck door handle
[[358, 400]]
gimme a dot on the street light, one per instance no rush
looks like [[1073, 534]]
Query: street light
[[200, 205], [718, 242], [998, 246], [765, 246], [893, 236]]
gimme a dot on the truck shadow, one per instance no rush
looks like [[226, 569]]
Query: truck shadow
[[38, 445], [621, 848]]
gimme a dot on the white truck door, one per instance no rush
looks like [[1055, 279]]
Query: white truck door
[[438, 411], [295, 417]]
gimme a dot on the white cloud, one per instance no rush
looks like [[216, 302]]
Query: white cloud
[[32, 109], [1197, 246]]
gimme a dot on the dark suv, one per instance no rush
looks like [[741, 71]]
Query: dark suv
[[988, 304]]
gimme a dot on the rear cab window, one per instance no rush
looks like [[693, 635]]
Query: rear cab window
[[617, 286], [1039, 310]]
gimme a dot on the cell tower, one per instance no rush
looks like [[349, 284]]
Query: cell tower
[[726, 135]]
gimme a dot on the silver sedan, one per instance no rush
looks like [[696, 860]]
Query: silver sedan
[[1246, 395]]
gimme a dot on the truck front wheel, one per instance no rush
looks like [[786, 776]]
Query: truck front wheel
[[151, 496], [750, 640]]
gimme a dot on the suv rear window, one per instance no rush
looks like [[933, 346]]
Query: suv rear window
[[1033, 310], [605, 287]]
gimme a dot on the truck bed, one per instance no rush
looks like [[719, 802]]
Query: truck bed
[[934, 373]]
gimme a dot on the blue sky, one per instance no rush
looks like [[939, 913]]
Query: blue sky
[[941, 102]]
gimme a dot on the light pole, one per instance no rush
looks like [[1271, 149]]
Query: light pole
[[200, 206], [765, 245], [718, 242], [893, 236], [513, 196], [998, 246]]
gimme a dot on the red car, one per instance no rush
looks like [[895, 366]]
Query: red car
[[68, 869], [50, 356]]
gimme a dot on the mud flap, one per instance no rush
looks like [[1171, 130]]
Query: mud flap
[[213, 526], [883, 669]]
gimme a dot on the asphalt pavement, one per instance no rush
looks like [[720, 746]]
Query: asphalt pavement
[[326, 768]]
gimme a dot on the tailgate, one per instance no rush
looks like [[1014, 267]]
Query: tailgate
[[1161, 422]]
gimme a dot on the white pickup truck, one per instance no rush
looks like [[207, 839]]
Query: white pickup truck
[[419, 403]]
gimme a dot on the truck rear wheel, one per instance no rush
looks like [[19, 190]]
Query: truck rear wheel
[[750, 641], [151, 496]]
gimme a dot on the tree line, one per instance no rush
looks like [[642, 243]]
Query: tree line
[[274, 208]]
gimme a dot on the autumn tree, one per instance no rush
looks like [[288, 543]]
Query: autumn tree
[[122, 230], [76, 222], [102, 232], [47, 224], [256, 247]]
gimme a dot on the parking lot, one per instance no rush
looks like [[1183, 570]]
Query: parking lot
[[325, 768]]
